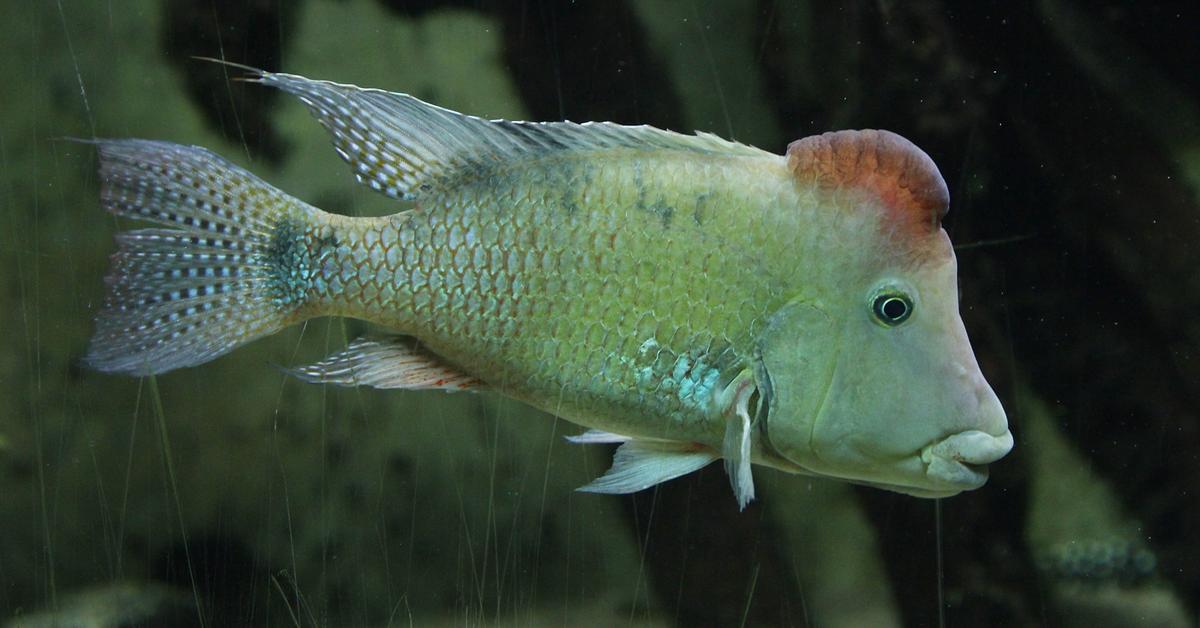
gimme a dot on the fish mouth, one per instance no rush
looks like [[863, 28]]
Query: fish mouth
[[961, 460], [943, 468], [951, 465]]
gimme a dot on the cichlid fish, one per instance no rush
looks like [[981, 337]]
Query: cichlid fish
[[689, 297]]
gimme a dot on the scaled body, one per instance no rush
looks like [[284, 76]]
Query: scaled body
[[696, 297], [621, 293]]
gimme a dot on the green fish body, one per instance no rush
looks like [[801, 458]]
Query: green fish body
[[620, 291], [625, 278]]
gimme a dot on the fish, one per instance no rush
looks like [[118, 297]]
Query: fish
[[686, 297]]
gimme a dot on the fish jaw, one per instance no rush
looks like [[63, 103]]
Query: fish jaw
[[951, 465]]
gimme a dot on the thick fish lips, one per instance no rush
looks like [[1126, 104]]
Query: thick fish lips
[[958, 462], [962, 459], [951, 465]]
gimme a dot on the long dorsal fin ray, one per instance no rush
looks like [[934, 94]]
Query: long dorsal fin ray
[[401, 146], [386, 362]]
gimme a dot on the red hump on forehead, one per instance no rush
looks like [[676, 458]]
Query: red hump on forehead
[[879, 163]]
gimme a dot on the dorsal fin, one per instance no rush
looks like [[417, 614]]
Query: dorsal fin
[[402, 146], [880, 163]]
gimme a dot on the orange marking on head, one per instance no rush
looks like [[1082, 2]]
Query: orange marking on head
[[881, 164]]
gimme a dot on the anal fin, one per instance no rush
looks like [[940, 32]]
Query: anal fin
[[598, 437], [640, 464], [386, 362]]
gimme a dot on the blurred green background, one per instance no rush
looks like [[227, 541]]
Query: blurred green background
[[227, 494]]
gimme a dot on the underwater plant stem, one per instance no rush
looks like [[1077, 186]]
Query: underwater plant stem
[[941, 594], [287, 600], [750, 594], [169, 462], [120, 540]]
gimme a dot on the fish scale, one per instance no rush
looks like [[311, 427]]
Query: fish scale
[[689, 297], [562, 289]]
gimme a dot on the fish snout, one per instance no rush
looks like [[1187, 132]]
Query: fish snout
[[961, 459]]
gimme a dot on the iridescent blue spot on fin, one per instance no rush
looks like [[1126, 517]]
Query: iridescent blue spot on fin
[[226, 267], [386, 362]]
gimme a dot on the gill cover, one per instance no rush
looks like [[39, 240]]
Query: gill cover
[[797, 358]]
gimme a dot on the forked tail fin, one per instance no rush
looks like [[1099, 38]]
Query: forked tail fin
[[233, 264]]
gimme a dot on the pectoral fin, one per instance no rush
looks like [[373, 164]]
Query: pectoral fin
[[386, 362], [735, 400], [640, 464]]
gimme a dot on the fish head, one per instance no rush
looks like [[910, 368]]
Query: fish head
[[871, 377]]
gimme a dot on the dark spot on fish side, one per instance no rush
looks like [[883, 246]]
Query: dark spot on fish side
[[664, 211], [639, 185], [699, 214], [566, 177], [474, 170]]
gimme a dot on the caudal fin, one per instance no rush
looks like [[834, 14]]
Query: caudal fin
[[231, 267]]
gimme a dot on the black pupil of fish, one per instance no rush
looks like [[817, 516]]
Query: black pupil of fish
[[891, 309]]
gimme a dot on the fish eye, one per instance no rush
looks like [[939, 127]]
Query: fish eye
[[892, 308]]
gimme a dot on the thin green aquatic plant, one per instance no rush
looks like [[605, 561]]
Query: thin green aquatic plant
[[169, 464]]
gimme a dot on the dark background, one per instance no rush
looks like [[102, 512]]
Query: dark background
[[1069, 133]]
